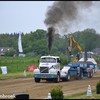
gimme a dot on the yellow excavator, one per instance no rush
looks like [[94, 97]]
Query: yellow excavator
[[71, 41]]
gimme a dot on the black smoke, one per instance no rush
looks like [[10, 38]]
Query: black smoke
[[50, 38], [62, 14]]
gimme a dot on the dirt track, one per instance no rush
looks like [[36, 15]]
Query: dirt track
[[40, 90]]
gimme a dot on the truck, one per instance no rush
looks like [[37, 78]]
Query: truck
[[49, 69]]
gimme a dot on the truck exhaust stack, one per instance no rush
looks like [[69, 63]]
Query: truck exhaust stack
[[50, 38]]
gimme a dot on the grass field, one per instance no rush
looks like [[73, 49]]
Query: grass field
[[16, 75], [17, 64], [84, 96]]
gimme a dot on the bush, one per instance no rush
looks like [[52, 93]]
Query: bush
[[98, 88], [10, 53], [57, 93]]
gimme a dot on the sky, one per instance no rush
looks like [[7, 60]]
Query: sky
[[22, 16], [26, 16]]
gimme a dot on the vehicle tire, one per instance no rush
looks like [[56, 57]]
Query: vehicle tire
[[90, 74], [81, 74], [57, 80], [37, 80], [77, 76], [67, 78]]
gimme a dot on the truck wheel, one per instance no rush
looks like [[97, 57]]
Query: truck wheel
[[58, 78], [77, 77], [67, 78], [81, 75], [37, 80], [90, 74]]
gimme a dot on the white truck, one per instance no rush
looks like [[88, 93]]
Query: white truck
[[49, 69]]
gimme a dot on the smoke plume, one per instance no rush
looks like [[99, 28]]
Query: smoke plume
[[62, 14], [50, 37]]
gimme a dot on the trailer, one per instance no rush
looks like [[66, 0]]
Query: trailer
[[85, 69]]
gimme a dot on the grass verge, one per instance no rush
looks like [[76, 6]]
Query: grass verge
[[83, 96], [15, 75]]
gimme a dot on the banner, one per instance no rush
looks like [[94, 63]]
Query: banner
[[32, 67], [4, 69]]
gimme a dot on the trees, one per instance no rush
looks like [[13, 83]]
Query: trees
[[37, 43]]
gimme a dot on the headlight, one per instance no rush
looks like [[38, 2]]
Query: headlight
[[36, 71], [52, 71]]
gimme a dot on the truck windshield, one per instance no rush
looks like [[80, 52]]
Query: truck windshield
[[48, 60]]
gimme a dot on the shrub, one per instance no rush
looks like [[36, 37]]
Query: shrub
[[98, 88], [10, 53], [57, 93]]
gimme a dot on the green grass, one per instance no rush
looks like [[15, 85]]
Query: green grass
[[16, 75], [17, 64], [83, 96]]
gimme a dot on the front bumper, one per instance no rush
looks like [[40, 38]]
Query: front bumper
[[45, 76]]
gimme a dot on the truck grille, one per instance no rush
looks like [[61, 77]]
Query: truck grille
[[44, 69]]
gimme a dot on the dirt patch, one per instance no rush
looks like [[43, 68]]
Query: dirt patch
[[40, 90]]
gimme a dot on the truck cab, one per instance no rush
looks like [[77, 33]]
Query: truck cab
[[49, 69]]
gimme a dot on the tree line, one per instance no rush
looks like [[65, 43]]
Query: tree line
[[36, 43]]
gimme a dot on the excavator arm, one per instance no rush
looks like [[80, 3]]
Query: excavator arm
[[71, 41]]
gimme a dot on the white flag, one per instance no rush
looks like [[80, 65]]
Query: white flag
[[20, 44]]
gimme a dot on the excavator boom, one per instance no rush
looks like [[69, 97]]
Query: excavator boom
[[72, 40]]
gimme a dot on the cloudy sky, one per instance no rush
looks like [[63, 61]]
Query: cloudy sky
[[26, 16]]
